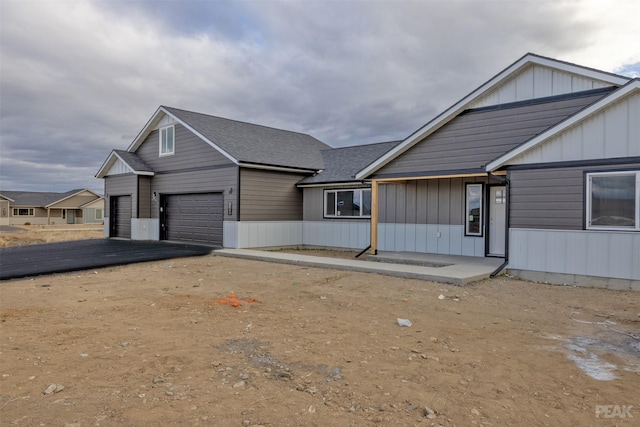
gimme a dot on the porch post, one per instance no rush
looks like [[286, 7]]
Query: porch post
[[374, 217], [48, 216]]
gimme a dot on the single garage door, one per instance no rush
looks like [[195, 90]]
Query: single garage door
[[195, 218], [120, 221]]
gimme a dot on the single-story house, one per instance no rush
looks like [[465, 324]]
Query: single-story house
[[80, 206], [539, 166]]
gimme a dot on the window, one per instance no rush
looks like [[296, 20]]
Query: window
[[349, 203], [22, 211], [613, 201], [167, 141], [473, 220], [99, 214]]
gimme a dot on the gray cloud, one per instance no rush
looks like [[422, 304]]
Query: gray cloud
[[79, 78]]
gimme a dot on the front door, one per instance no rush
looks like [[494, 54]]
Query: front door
[[497, 219]]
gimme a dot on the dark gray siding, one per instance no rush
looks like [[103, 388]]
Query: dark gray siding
[[144, 193], [551, 198], [314, 204], [270, 196], [120, 185], [191, 152], [474, 138], [195, 167], [435, 201], [223, 180]]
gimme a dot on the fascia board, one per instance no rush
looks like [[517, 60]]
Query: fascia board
[[487, 87], [332, 184], [274, 168], [154, 120], [72, 195], [626, 90], [106, 165], [6, 198]]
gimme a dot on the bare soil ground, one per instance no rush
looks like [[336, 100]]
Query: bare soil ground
[[163, 343], [36, 234]]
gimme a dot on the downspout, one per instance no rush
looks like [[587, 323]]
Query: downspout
[[506, 182]]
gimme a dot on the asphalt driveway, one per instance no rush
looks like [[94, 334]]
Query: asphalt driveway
[[34, 260]]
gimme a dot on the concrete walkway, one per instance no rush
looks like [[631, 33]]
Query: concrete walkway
[[454, 270]]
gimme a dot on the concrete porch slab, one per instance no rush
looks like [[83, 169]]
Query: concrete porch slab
[[460, 270]]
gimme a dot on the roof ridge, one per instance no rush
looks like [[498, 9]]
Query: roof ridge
[[236, 121]]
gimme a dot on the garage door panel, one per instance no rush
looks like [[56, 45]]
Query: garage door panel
[[196, 218], [121, 217]]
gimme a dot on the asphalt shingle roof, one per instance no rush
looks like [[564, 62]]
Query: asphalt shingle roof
[[258, 144], [342, 164], [36, 198], [134, 162]]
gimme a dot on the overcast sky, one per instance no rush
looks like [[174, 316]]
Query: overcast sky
[[80, 78]]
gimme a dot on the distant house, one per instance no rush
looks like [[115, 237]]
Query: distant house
[[539, 166], [45, 208]]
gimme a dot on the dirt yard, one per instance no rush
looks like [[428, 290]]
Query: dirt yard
[[213, 341], [22, 235]]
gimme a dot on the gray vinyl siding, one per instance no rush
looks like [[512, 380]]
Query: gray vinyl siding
[[472, 139], [551, 198], [314, 204], [120, 185], [435, 201], [144, 192], [223, 180], [190, 152], [270, 196], [195, 167]]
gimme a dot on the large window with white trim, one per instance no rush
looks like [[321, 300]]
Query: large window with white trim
[[347, 203], [167, 144], [613, 201], [473, 210], [23, 212]]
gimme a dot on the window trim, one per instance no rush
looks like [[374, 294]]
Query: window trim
[[162, 131], [337, 190], [466, 209], [587, 211], [30, 212]]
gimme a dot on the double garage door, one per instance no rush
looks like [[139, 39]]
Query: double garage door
[[194, 218]]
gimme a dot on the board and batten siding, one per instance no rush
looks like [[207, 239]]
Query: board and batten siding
[[612, 133], [474, 138], [270, 195], [537, 81]]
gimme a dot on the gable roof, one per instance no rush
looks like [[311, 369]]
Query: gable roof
[[342, 164], [492, 84], [630, 88], [131, 161], [40, 198], [476, 136], [245, 144]]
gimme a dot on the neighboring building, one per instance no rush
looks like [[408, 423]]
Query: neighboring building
[[45, 208], [539, 166]]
